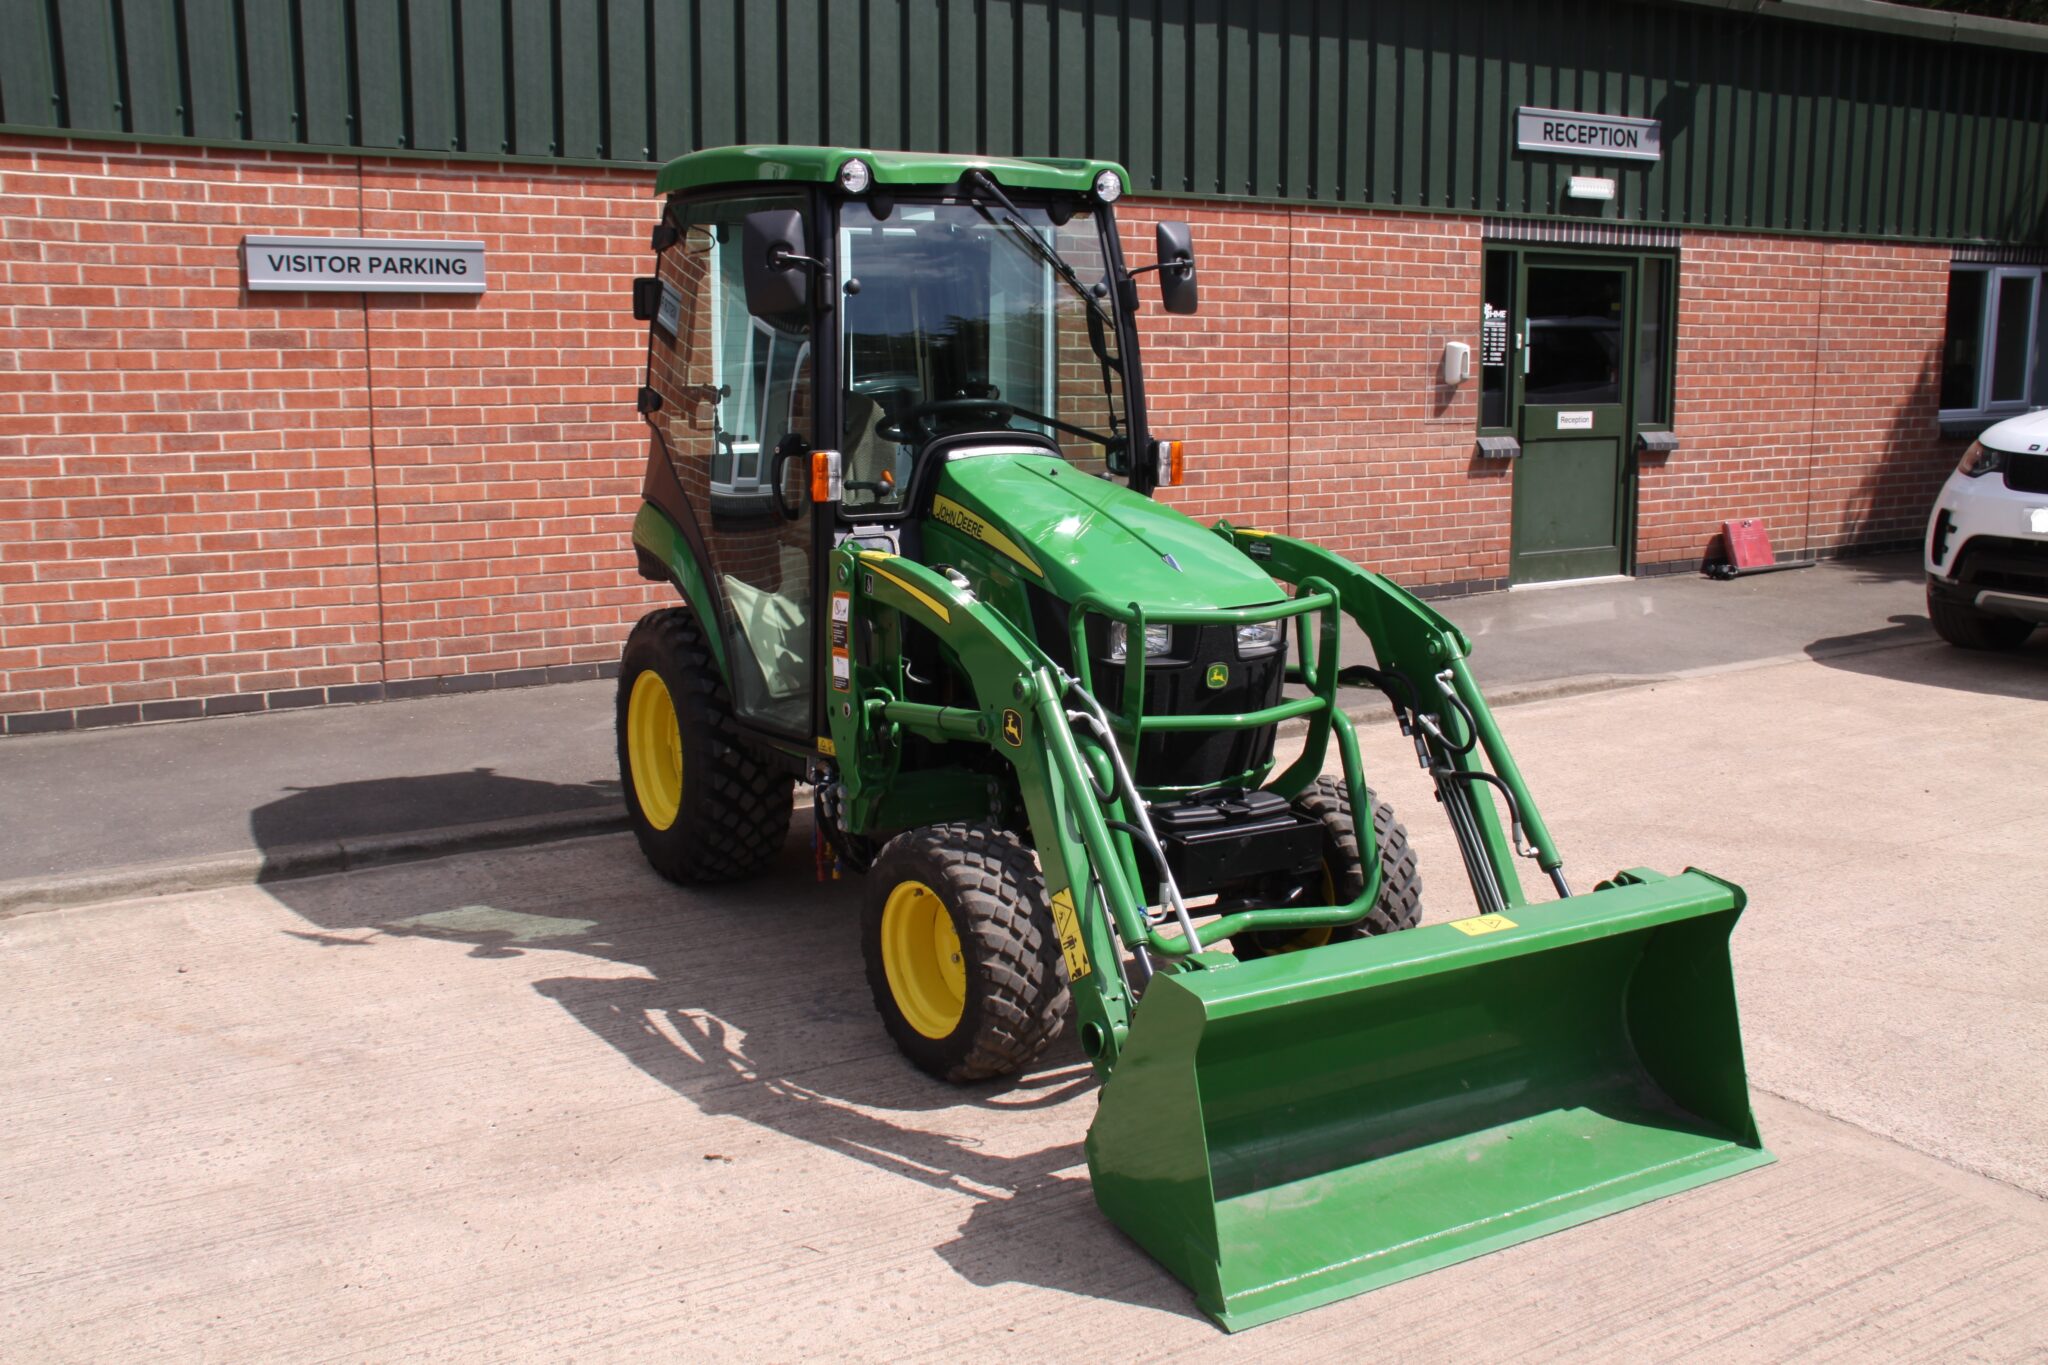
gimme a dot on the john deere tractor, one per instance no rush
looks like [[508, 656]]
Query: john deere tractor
[[901, 474]]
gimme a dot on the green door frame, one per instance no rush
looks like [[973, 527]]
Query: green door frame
[[1639, 281]]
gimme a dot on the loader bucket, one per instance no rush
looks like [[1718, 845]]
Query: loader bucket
[[1289, 1131]]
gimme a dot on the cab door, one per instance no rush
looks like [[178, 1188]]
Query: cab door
[[1571, 484], [737, 417]]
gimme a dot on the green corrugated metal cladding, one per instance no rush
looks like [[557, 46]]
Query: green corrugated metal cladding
[[1768, 123]]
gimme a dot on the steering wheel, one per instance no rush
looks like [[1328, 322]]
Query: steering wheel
[[897, 428]]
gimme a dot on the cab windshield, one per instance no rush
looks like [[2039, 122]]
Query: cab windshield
[[955, 320]]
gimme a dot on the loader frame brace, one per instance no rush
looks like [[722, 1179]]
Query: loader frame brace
[[1072, 759]]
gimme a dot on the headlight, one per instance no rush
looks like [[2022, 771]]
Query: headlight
[[1254, 642], [1109, 187], [853, 176], [1158, 639], [1980, 460]]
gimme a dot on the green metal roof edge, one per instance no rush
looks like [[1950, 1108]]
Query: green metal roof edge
[[820, 165], [1875, 16], [44, 133]]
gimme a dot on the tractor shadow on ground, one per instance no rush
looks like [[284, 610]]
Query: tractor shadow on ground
[[2022, 672], [405, 805], [751, 1002]]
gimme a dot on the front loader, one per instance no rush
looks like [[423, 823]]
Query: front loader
[[900, 473]]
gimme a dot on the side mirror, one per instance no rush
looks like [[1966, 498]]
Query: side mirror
[[777, 270], [1177, 289]]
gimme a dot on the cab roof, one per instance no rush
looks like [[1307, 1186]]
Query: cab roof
[[747, 165]]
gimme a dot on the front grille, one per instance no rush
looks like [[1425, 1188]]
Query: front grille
[[1178, 686], [2004, 564], [2027, 473], [1200, 758]]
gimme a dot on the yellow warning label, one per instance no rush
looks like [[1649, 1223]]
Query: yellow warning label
[[1482, 924], [1068, 925], [827, 747]]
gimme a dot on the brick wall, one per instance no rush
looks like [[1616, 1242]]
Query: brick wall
[[1346, 435], [1808, 383], [214, 501]]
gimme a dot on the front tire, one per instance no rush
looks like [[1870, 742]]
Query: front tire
[[1968, 628], [1399, 905], [962, 955], [704, 807]]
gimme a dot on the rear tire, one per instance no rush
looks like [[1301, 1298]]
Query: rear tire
[[962, 955], [704, 807], [1399, 905], [1972, 629]]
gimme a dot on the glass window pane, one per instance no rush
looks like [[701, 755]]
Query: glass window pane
[[1574, 336], [1963, 339], [958, 304], [1652, 330], [2038, 395], [2015, 322], [1494, 311]]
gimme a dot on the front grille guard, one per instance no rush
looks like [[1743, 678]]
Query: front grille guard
[[1316, 669], [1106, 746]]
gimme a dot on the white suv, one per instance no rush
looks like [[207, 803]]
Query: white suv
[[1987, 543]]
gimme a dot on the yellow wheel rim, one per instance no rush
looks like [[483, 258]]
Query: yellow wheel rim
[[654, 750], [921, 954], [1307, 938]]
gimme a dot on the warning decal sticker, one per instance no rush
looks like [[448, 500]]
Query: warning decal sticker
[[1483, 924], [1068, 925]]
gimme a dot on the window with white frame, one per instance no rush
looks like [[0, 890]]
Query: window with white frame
[[1993, 361]]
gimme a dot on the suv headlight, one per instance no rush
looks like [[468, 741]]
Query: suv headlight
[[1980, 460], [1158, 639], [1257, 641]]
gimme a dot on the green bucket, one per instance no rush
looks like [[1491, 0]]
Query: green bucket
[[1290, 1131]]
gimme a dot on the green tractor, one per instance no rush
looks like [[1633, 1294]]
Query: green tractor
[[901, 475]]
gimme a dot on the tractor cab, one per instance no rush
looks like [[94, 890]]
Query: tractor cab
[[821, 352]]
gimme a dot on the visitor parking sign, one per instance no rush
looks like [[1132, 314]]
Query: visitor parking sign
[[363, 265]]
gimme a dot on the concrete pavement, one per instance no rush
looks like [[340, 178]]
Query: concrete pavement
[[537, 1103], [254, 798]]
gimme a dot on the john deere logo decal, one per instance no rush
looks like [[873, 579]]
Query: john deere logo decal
[[1219, 676], [1013, 729]]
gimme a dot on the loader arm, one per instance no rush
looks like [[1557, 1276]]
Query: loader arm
[[1086, 817], [1017, 714], [1287, 1131], [1072, 758]]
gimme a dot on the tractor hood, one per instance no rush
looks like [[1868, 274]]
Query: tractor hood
[[1073, 533]]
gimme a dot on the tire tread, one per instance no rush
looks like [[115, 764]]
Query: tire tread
[[736, 808], [995, 881], [1968, 628]]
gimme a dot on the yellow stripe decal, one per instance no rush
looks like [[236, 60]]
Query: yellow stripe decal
[[938, 608], [966, 522]]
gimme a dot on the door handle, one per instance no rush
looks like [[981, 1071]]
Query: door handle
[[790, 447], [1525, 347]]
